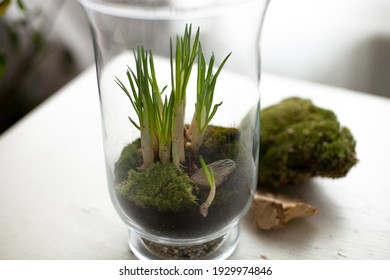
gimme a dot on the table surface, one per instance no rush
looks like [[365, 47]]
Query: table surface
[[54, 203]]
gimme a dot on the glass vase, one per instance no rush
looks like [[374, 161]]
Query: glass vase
[[179, 91]]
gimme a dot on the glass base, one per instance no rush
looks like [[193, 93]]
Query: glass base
[[218, 249]]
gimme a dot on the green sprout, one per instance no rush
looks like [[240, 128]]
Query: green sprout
[[146, 101], [204, 207], [205, 94], [180, 75], [164, 118]]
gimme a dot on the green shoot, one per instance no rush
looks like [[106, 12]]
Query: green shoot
[[204, 207], [204, 111], [145, 98], [180, 74], [163, 117]]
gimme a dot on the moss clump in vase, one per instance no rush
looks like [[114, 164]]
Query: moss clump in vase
[[181, 180]]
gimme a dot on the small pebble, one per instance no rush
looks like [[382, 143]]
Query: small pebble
[[183, 252]]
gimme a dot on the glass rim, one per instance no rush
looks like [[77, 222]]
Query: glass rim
[[166, 11]]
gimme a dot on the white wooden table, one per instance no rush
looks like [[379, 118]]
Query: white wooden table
[[54, 203]]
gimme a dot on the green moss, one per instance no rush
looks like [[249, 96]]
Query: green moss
[[220, 143], [299, 140], [162, 186], [130, 158], [166, 188]]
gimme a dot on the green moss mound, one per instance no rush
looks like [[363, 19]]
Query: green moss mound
[[130, 158], [220, 143], [299, 140], [162, 186]]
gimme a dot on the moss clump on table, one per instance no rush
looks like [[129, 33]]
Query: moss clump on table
[[299, 140]]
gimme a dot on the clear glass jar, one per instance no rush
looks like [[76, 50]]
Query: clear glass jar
[[156, 178]]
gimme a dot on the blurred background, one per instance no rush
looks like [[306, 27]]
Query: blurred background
[[344, 43]]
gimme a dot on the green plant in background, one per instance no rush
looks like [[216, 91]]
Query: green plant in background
[[4, 4], [3, 57], [27, 16], [27, 54]]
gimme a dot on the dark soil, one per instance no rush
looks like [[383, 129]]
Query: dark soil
[[231, 198]]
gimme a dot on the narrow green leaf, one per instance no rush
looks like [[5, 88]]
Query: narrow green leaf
[[196, 44], [134, 123], [14, 38], [208, 172], [171, 63], [21, 5], [122, 86], [210, 70], [38, 40], [164, 88], [3, 63], [213, 112], [221, 66], [4, 4]]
